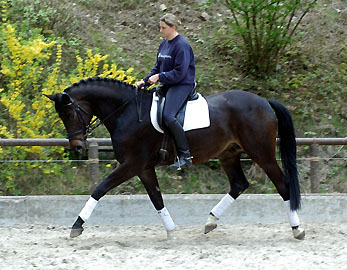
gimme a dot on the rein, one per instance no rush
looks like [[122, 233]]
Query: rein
[[90, 128], [87, 129]]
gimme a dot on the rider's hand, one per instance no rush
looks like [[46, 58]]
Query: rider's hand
[[140, 83], [153, 79]]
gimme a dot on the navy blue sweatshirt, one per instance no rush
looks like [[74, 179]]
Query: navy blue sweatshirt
[[175, 62]]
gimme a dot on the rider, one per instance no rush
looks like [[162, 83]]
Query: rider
[[175, 70]]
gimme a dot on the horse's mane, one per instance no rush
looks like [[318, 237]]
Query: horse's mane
[[98, 79]]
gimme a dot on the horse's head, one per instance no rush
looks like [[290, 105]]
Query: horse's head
[[76, 115]]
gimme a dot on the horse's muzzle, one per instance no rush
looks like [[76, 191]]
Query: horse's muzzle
[[78, 146]]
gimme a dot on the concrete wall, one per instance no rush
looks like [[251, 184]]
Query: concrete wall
[[184, 209]]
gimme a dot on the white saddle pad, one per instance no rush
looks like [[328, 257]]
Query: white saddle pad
[[197, 114]]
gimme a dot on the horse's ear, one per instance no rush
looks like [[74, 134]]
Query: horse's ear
[[52, 97]]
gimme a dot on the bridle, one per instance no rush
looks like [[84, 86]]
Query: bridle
[[87, 129], [84, 128]]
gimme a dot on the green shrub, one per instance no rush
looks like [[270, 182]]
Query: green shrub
[[265, 28]]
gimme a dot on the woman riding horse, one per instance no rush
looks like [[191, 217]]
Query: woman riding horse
[[175, 69]]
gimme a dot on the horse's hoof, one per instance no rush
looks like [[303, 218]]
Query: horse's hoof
[[76, 232], [211, 223], [209, 228], [170, 235], [299, 233]]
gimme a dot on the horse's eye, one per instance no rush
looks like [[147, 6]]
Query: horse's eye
[[67, 114], [71, 114]]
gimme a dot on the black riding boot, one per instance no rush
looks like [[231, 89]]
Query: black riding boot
[[181, 142]]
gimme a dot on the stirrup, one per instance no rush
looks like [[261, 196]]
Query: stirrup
[[181, 163]]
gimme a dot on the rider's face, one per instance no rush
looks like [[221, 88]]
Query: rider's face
[[166, 30]]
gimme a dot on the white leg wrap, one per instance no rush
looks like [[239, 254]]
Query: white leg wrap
[[88, 209], [292, 215], [166, 219], [223, 205]]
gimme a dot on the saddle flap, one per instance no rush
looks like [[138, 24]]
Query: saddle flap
[[161, 103], [181, 113], [195, 115]]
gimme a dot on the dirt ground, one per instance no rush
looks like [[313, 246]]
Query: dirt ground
[[241, 246]]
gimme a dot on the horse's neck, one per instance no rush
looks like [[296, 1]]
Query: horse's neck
[[125, 107], [114, 103]]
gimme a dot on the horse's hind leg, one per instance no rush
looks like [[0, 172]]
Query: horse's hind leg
[[275, 174], [265, 157], [238, 184], [149, 180]]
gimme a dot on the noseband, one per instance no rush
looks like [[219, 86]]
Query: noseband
[[84, 127]]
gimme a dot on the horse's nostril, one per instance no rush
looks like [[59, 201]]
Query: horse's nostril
[[79, 149]]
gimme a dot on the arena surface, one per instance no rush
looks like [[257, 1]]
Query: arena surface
[[241, 246], [125, 232]]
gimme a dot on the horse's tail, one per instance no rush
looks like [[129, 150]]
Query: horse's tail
[[287, 145]]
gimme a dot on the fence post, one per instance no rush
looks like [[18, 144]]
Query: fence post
[[314, 168], [93, 164]]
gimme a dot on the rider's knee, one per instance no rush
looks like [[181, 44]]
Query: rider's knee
[[168, 118]]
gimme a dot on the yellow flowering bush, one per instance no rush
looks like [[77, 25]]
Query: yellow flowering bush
[[29, 69]]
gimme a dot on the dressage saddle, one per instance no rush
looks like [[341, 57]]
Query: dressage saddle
[[160, 92]]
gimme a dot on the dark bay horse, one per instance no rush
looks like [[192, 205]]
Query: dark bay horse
[[241, 122]]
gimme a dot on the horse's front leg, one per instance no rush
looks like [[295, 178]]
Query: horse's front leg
[[122, 173], [149, 180]]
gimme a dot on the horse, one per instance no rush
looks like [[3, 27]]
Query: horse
[[240, 122]]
